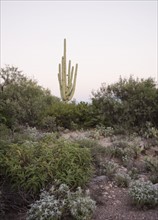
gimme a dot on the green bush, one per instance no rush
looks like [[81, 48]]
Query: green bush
[[71, 115], [122, 179], [32, 165], [127, 104], [22, 100], [143, 193], [59, 202], [71, 164], [97, 151], [24, 165]]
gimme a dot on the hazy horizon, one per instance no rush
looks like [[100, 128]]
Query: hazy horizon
[[107, 39]]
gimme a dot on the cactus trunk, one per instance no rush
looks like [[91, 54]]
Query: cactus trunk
[[67, 81]]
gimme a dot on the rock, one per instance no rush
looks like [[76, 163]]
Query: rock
[[99, 179], [66, 131]]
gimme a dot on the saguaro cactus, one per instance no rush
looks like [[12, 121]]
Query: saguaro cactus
[[67, 81]]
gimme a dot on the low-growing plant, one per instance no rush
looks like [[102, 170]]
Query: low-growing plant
[[122, 179], [59, 202], [27, 134], [95, 148], [118, 150], [136, 150], [88, 143], [149, 131], [108, 168], [94, 134], [143, 193], [151, 164], [104, 131], [133, 173]]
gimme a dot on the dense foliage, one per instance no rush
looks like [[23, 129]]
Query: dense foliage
[[128, 104], [30, 166], [22, 100]]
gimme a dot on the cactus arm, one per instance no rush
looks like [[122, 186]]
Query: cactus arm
[[69, 73], [72, 73], [74, 83]]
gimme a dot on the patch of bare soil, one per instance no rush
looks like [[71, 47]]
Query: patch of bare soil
[[113, 203]]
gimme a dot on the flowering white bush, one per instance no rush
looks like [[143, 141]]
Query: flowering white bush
[[81, 207], [144, 193], [59, 202]]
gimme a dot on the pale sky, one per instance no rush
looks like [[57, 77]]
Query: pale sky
[[107, 39]]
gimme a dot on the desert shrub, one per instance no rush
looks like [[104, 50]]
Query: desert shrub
[[151, 164], [64, 114], [108, 168], [127, 104], [133, 173], [105, 131], [143, 193], [71, 164], [50, 138], [27, 134], [23, 169], [97, 151], [118, 149], [49, 123], [114, 151], [100, 131], [72, 115], [88, 143], [59, 202], [22, 100], [94, 134], [5, 132], [32, 165], [121, 144], [124, 151], [136, 150], [85, 117], [149, 131], [122, 179]]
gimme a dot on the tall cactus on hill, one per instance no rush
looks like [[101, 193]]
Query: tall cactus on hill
[[67, 81]]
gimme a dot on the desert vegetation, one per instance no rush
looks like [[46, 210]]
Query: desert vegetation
[[54, 155]]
